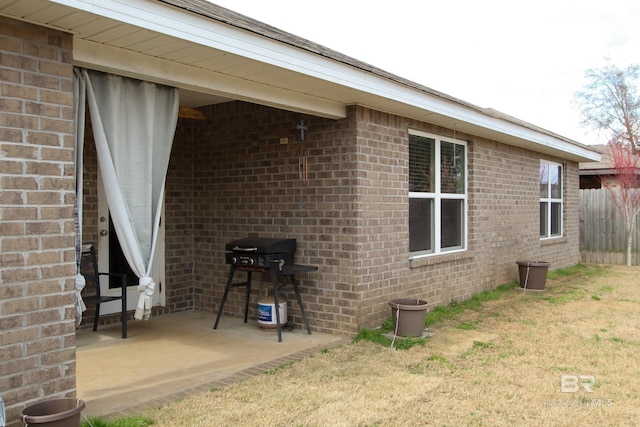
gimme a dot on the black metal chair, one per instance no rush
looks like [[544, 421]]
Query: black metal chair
[[91, 294]]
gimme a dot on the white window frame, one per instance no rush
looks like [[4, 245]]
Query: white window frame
[[549, 200], [437, 196]]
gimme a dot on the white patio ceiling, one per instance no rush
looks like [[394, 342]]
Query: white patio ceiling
[[212, 61]]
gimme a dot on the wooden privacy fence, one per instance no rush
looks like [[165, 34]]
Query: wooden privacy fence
[[603, 231]]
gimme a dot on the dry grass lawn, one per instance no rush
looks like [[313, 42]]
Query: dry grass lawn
[[498, 366]]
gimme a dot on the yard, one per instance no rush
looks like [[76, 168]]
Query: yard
[[497, 363]]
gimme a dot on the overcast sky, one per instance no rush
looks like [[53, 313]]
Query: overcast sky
[[526, 59]]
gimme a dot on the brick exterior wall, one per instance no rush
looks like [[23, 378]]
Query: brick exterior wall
[[37, 334], [180, 251], [503, 219], [351, 217], [248, 184]]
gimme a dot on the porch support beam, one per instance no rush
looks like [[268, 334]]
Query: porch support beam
[[136, 65]]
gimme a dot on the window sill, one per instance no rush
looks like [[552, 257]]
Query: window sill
[[553, 241], [430, 260]]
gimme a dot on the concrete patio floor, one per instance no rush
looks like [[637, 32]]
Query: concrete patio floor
[[171, 357]]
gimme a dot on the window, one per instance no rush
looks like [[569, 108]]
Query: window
[[437, 194], [550, 199]]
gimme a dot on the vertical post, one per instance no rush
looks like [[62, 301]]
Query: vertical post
[[226, 294], [299, 298], [276, 299], [246, 302]]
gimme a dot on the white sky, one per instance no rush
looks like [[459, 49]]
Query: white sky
[[526, 59]]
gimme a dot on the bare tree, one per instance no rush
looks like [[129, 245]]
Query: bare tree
[[610, 102], [624, 189]]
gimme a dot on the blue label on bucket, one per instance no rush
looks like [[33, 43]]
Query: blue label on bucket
[[265, 313]]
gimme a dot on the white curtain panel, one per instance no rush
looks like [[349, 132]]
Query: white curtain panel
[[79, 101], [133, 126]]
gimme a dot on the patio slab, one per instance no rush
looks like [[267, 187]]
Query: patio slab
[[170, 357]]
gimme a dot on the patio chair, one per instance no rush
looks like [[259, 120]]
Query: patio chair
[[91, 294]]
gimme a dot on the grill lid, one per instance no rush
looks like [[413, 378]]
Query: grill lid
[[265, 245]]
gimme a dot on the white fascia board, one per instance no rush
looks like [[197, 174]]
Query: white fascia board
[[573, 149], [132, 64], [460, 114], [165, 19]]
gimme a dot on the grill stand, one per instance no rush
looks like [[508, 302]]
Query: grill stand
[[289, 271]]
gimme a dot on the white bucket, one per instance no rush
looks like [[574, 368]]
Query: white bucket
[[267, 313]]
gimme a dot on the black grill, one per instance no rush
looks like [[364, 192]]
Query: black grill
[[270, 255], [260, 253]]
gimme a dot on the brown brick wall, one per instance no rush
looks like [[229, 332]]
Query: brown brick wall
[[350, 219], [248, 184], [179, 220], [37, 338], [503, 219]]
